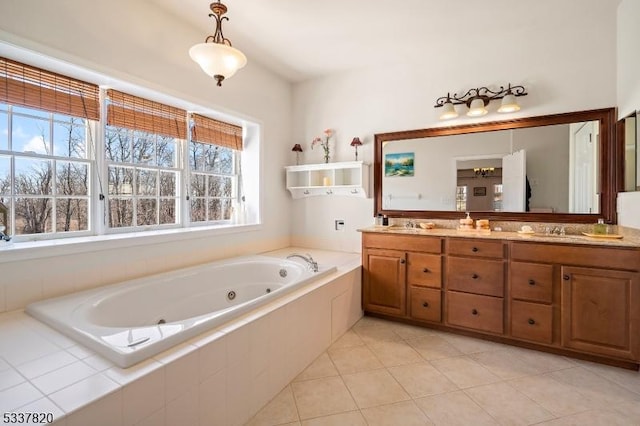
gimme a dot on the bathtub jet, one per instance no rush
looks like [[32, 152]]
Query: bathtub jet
[[135, 320]]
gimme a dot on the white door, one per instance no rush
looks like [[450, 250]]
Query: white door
[[514, 186], [583, 188]]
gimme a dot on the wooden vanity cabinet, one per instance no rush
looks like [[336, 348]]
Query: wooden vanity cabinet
[[575, 299], [402, 276], [475, 284], [593, 291]]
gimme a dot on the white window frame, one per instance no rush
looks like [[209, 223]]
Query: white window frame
[[50, 118]]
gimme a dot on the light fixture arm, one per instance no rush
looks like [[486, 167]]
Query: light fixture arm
[[487, 95], [218, 10]]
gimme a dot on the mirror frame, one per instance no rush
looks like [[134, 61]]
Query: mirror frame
[[610, 175]]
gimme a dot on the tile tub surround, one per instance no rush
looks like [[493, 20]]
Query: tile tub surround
[[220, 377], [416, 376]]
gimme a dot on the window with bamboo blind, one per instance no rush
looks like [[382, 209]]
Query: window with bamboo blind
[[133, 112], [45, 171], [215, 132], [33, 87]]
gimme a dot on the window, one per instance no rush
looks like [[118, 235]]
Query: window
[[144, 172], [213, 163], [461, 198], [142, 145], [45, 167], [497, 197]]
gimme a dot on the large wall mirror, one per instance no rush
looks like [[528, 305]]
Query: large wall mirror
[[556, 168]]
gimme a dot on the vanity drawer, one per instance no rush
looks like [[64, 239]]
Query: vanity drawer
[[402, 242], [473, 311], [532, 321], [589, 256], [531, 281], [479, 276], [475, 248], [425, 304], [424, 270]]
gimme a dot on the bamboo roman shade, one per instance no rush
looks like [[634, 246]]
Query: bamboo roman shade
[[136, 113], [208, 130], [32, 87]]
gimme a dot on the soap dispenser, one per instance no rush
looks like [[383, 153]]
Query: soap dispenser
[[600, 228]]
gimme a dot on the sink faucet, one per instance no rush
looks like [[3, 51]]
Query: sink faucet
[[313, 265]]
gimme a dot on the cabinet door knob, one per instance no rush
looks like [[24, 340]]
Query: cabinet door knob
[[425, 304], [425, 270], [475, 249], [531, 321], [402, 261], [566, 277], [532, 282], [474, 312], [475, 276]]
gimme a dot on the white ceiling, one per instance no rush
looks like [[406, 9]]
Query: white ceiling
[[302, 39]]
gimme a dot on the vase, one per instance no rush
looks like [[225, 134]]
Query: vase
[[326, 158]]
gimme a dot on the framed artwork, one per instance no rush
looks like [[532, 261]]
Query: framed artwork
[[399, 164], [479, 191]]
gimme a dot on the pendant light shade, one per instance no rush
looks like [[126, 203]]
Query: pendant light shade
[[448, 111], [218, 59], [477, 108], [509, 104], [216, 56]]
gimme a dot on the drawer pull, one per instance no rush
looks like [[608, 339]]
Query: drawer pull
[[475, 249], [474, 312], [531, 321], [475, 276], [425, 305], [532, 282], [566, 277], [425, 270]]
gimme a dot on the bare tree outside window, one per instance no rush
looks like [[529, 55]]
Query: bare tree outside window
[[212, 182], [44, 178], [143, 178]]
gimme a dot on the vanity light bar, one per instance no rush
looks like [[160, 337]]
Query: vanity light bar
[[477, 99]]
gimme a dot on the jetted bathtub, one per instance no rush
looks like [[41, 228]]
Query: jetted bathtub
[[134, 320]]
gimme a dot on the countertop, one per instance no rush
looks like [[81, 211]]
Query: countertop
[[628, 240]]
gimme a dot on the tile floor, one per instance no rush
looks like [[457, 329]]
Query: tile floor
[[385, 373]]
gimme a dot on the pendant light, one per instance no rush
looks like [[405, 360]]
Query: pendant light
[[216, 56]]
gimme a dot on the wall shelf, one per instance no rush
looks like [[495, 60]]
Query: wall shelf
[[350, 178]]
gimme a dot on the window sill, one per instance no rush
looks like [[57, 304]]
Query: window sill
[[29, 250]]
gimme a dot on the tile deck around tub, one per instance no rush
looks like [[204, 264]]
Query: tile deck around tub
[[386, 373]]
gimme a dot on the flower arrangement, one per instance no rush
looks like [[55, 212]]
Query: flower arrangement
[[328, 133]]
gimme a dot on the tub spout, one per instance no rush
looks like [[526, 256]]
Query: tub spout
[[313, 265]]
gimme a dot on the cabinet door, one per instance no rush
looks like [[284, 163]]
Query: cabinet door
[[600, 311], [384, 282]]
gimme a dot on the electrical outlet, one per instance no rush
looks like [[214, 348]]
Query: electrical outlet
[[339, 225]]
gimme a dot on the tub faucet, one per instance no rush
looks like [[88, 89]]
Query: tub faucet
[[313, 265]]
